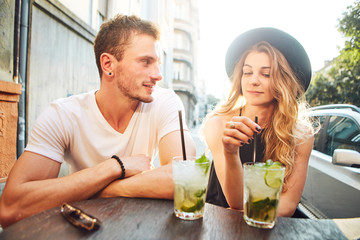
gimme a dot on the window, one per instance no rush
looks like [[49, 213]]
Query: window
[[320, 138], [100, 20], [81, 8], [181, 71], [182, 41], [182, 10], [343, 133]]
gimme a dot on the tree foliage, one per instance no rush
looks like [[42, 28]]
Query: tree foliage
[[340, 82]]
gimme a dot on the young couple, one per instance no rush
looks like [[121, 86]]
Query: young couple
[[109, 136]]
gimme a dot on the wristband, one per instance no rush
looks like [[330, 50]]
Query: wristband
[[121, 165]]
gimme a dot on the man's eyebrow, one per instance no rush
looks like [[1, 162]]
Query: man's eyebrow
[[147, 57], [154, 59]]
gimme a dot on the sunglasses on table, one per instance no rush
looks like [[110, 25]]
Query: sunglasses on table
[[79, 218]]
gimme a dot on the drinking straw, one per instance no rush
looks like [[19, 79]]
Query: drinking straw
[[255, 136], [182, 135]]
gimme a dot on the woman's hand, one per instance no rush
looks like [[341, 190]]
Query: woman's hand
[[239, 131]]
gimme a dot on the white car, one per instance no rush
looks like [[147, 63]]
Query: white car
[[332, 188]]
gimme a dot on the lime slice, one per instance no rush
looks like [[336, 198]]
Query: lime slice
[[189, 206], [274, 178]]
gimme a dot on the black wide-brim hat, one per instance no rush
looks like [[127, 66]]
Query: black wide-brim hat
[[292, 50]]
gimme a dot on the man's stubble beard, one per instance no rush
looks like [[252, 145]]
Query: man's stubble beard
[[127, 92]]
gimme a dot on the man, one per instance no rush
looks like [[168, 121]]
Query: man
[[129, 117]]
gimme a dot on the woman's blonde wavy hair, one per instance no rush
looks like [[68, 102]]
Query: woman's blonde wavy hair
[[288, 126]]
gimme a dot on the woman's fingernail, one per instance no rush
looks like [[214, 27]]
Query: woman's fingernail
[[258, 128]]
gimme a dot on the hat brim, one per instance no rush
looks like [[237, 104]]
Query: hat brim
[[292, 50]]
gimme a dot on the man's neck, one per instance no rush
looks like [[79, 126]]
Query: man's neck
[[116, 110]]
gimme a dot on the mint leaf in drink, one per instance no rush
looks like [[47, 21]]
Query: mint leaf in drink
[[274, 202], [200, 193], [264, 204], [260, 204], [203, 159], [269, 162]]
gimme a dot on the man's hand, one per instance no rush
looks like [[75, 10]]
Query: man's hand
[[136, 164], [157, 183]]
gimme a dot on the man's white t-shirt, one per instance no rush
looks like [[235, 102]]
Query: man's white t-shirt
[[73, 129]]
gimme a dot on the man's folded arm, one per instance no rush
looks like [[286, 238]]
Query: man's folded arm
[[155, 183]]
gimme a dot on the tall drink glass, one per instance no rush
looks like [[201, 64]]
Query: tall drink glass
[[191, 180], [262, 190]]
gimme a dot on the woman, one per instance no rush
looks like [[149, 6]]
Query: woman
[[270, 71]]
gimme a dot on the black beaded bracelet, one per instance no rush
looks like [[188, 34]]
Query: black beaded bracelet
[[121, 165]]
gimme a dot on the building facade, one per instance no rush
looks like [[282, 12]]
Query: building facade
[[48, 50], [186, 34], [178, 21]]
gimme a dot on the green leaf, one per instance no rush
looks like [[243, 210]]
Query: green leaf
[[264, 203], [269, 162], [339, 80], [204, 159], [200, 193]]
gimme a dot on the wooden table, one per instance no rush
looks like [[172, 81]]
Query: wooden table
[[132, 218]]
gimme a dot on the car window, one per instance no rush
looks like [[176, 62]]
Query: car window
[[342, 133], [320, 138]]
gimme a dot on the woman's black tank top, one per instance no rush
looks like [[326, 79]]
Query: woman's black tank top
[[215, 194]]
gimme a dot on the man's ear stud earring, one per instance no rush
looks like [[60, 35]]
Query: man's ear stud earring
[[109, 73]]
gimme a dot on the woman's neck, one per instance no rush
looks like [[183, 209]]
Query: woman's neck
[[264, 114]]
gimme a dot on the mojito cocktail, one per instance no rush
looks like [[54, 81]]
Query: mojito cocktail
[[191, 180], [262, 189]]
